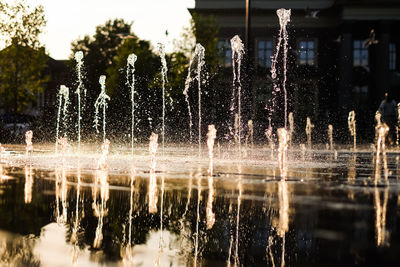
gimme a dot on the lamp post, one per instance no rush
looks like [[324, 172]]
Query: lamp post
[[249, 58]]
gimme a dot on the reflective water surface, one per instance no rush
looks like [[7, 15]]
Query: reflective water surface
[[325, 210]]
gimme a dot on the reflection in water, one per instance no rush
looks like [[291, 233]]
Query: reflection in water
[[283, 225], [3, 174], [211, 135], [380, 212], [351, 174], [153, 197], [255, 226], [61, 193], [127, 255], [381, 132], [74, 237], [161, 242], [196, 242], [184, 225], [351, 170], [153, 194], [239, 202], [17, 251], [28, 184], [209, 210], [100, 209]]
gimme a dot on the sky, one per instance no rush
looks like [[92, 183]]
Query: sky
[[68, 20]]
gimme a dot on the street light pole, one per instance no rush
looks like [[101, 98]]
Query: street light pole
[[248, 24], [248, 64]]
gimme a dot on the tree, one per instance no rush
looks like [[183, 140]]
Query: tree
[[24, 59], [146, 101], [215, 86], [99, 53]]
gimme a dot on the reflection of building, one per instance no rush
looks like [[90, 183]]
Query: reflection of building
[[343, 54]]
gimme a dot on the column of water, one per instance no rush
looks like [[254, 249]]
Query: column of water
[[237, 56], [164, 70], [130, 80], [79, 64]]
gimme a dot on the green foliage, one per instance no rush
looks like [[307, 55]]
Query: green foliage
[[205, 31], [99, 52], [146, 93], [23, 61]]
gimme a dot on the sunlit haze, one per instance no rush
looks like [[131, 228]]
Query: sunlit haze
[[72, 19]]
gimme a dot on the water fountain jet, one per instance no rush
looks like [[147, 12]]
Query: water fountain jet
[[63, 101], [130, 73], [284, 19], [237, 56], [164, 77], [79, 64], [351, 121], [382, 132], [101, 102], [309, 127], [199, 54]]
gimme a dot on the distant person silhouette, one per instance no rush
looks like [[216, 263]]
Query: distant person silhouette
[[388, 110]]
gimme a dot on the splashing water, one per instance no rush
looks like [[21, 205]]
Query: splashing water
[[211, 135], [102, 163], [236, 127], [101, 102], [130, 74], [164, 70], [382, 131], [199, 54], [63, 101], [64, 145], [309, 127], [153, 145], [2, 149], [351, 121], [283, 136], [330, 136], [250, 134], [235, 108], [28, 141], [284, 18], [269, 135], [291, 127], [378, 120], [79, 64]]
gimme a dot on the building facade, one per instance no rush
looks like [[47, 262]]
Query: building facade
[[342, 55]]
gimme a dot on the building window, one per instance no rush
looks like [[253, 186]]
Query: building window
[[225, 52], [264, 53], [360, 54], [307, 52], [392, 56]]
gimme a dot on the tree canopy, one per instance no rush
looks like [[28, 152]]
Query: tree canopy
[[24, 59]]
